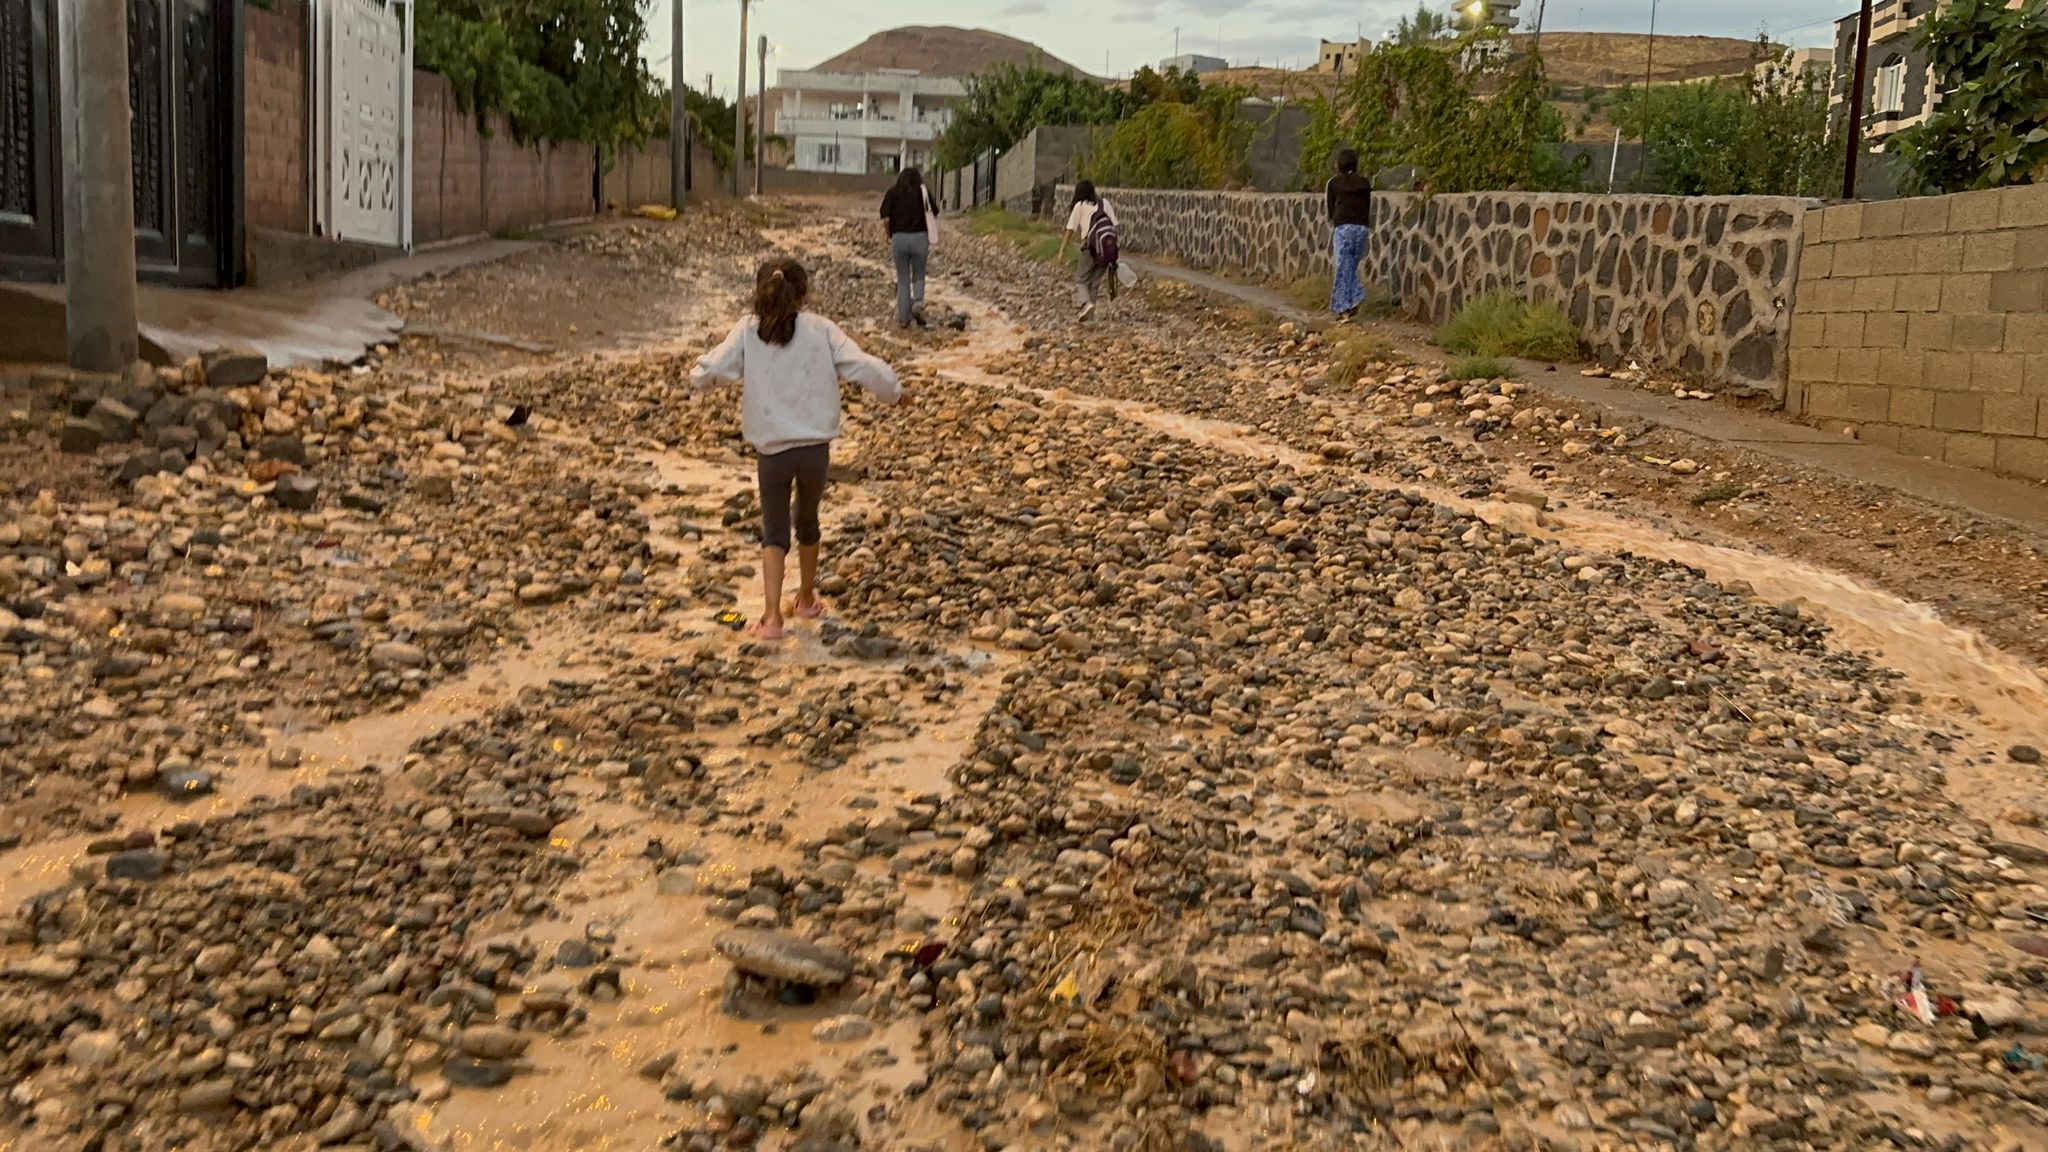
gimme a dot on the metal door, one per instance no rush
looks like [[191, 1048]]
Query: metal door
[[184, 89], [30, 230], [366, 96]]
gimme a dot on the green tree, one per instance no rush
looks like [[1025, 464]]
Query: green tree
[[1692, 132], [1173, 86], [1763, 135], [1006, 102], [1426, 25], [1176, 144], [1420, 105], [557, 69], [1992, 126]]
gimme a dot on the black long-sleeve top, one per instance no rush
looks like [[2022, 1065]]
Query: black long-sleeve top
[[1348, 199]]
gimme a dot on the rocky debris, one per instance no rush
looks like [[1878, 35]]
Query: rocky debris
[[226, 368], [2023, 754], [1272, 787]]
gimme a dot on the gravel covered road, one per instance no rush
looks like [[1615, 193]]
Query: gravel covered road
[[1206, 749]]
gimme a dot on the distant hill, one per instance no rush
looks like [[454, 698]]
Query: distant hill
[[940, 51], [1611, 59], [1572, 60]]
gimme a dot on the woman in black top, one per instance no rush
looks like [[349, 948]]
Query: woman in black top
[[1348, 200], [907, 217]]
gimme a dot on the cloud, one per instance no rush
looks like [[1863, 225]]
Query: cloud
[[1023, 8]]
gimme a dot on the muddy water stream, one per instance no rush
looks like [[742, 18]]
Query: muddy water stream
[[2003, 697]]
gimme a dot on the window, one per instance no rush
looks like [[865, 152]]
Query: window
[[1890, 97], [828, 155]]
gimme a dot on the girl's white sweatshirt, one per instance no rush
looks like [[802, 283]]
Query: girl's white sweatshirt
[[791, 396]]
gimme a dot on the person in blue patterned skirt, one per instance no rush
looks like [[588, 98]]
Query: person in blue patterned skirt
[[1348, 200]]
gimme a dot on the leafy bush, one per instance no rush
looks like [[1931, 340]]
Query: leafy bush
[[1765, 134], [557, 69], [1007, 101], [1478, 368], [1500, 323], [1992, 126], [1419, 104], [1204, 144]]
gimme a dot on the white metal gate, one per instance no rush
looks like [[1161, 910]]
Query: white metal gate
[[364, 126]]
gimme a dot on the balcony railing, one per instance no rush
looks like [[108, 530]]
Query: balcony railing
[[871, 128]]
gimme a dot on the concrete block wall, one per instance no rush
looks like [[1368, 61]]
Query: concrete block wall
[[276, 185], [1924, 324], [1697, 284], [639, 176], [467, 182]]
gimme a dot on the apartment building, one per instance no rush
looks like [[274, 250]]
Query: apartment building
[[1900, 86], [864, 122]]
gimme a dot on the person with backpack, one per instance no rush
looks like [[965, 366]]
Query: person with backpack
[[1094, 224], [910, 218], [1348, 201]]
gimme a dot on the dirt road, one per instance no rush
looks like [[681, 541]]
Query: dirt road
[[1204, 751]]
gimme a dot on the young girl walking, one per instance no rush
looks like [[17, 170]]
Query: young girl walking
[[792, 362]]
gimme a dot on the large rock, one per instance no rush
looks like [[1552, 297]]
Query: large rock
[[234, 367], [116, 420], [297, 492], [780, 956], [287, 448], [79, 436]]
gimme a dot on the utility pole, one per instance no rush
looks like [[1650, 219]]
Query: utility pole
[[739, 111], [1649, 63], [678, 113], [1536, 41], [760, 112], [99, 190], [1855, 125]]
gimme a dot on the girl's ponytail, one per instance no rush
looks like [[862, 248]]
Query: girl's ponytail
[[779, 290]]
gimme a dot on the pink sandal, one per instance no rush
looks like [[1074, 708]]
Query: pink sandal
[[762, 631], [811, 611]]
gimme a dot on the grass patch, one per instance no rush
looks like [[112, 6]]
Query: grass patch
[[1500, 323], [1310, 293], [1356, 354], [1478, 368], [1717, 494], [1035, 239]]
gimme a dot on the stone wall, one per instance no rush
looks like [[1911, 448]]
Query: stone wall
[[1924, 323], [1702, 285]]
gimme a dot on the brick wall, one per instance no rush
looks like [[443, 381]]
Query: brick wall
[[1924, 323], [274, 86]]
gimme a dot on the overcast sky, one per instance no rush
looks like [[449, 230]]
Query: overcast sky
[[804, 32]]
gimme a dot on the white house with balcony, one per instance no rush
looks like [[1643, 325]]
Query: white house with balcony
[[858, 123]]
